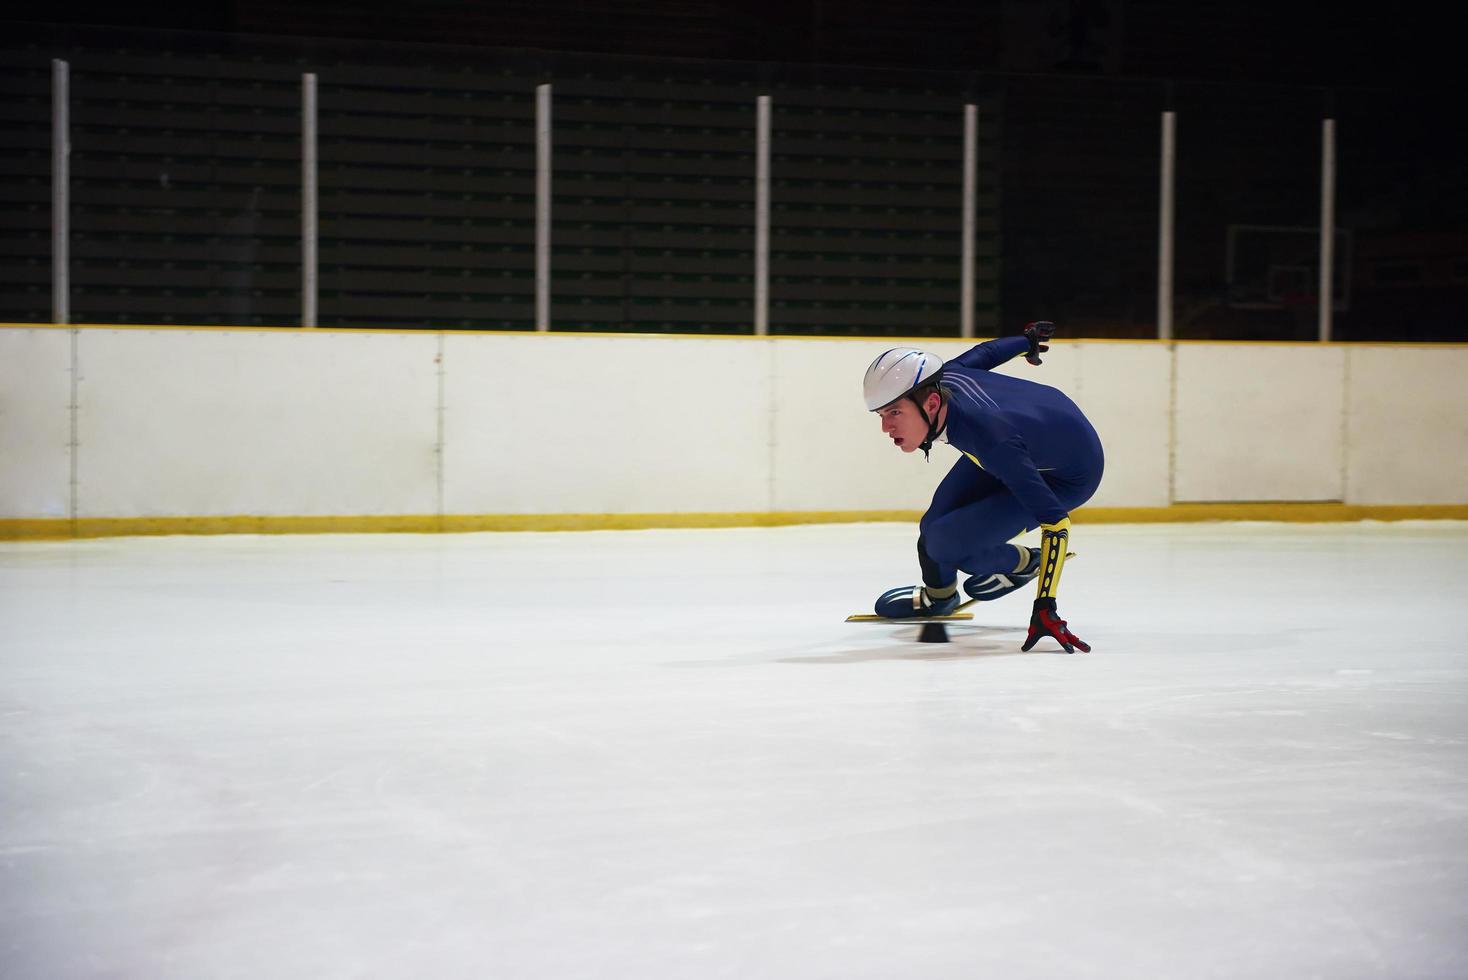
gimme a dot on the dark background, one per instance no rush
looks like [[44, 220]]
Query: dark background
[[1236, 40], [185, 163]]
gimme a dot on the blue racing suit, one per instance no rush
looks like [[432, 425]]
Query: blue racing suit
[[1031, 457]]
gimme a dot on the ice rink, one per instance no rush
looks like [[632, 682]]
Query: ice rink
[[662, 754]]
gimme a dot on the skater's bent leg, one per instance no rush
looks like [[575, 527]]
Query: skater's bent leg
[[972, 518], [975, 537], [936, 575], [963, 485]]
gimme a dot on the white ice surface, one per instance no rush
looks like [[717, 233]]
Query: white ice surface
[[662, 754]]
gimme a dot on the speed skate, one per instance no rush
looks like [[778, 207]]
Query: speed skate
[[957, 616]]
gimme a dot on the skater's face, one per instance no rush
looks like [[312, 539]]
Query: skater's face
[[905, 425]]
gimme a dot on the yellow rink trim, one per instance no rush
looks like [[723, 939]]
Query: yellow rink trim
[[101, 527], [574, 330], [17, 529], [1314, 512]]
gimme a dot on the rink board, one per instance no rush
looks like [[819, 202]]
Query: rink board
[[182, 430]]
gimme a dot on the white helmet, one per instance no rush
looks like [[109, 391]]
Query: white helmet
[[896, 373]]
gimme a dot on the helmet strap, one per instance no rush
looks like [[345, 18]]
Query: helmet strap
[[927, 443]]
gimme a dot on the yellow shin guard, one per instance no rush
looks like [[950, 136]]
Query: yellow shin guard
[[1053, 541]]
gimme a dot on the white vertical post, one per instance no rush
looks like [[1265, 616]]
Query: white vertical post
[[1165, 227], [308, 200], [1327, 225], [60, 191], [970, 208], [542, 205], [762, 216]]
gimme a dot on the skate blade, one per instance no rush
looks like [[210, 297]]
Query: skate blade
[[958, 617]]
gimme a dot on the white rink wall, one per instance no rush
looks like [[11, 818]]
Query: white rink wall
[[138, 422]]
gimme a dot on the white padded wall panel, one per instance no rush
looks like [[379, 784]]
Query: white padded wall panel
[[1407, 426], [35, 423], [1124, 389], [225, 422], [222, 422], [574, 424], [1259, 422]]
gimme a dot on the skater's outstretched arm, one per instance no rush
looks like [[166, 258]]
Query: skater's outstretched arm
[[991, 353]]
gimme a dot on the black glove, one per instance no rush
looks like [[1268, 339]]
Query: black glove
[[1038, 333], [1045, 621]]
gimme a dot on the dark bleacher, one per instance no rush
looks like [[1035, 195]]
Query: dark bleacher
[[653, 217], [186, 189], [186, 168], [25, 190], [866, 208], [427, 178]]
